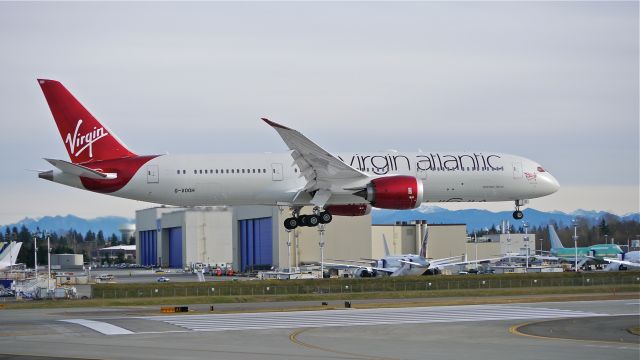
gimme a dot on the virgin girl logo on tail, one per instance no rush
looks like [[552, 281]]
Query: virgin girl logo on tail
[[83, 141]]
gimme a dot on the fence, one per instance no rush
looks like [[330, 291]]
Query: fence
[[243, 288]]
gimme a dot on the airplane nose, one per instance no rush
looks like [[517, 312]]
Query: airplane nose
[[549, 183]]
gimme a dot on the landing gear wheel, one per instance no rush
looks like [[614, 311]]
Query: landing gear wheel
[[313, 220], [291, 223], [518, 215], [325, 217]]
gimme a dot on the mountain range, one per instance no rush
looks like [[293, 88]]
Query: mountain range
[[61, 224], [474, 218], [480, 219]]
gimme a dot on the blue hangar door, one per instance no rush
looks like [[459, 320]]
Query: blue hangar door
[[148, 247], [256, 244], [175, 247]]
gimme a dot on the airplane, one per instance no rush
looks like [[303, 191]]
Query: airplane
[[624, 261], [307, 175], [392, 265], [589, 254], [406, 264], [9, 254]]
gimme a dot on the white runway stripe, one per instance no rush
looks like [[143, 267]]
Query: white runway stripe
[[101, 327], [354, 317]]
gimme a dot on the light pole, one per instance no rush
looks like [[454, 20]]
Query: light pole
[[526, 246], [321, 243], [575, 242], [35, 255], [49, 261], [475, 237], [509, 243], [289, 249]]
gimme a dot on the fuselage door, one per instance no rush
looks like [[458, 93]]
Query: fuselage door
[[152, 174], [276, 172], [517, 170]]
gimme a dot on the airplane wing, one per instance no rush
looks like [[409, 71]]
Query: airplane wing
[[410, 263], [440, 265], [317, 165], [387, 270], [622, 262], [79, 170]]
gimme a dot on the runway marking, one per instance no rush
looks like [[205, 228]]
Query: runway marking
[[357, 317], [294, 338], [101, 327]]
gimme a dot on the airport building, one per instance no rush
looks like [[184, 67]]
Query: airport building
[[492, 245], [66, 261], [444, 240], [253, 238], [246, 237]]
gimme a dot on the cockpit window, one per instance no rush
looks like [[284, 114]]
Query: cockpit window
[[540, 169]]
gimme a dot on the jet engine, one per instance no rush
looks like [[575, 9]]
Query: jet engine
[[398, 192], [364, 273]]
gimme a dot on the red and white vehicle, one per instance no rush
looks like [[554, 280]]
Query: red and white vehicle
[[334, 184]]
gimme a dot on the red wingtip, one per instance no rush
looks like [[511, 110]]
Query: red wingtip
[[274, 124]]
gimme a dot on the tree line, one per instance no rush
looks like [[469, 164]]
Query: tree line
[[70, 242], [606, 229]]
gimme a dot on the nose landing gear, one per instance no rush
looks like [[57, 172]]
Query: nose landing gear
[[318, 217], [518, 215]]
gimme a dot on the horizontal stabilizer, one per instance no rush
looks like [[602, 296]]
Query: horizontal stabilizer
[[79, 170]]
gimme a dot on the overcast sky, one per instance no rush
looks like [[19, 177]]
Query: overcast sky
[[556, 82]]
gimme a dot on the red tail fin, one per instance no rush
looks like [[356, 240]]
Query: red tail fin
[[83, 135]]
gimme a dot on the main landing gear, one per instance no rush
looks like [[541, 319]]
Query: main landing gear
[[318, 217], [518, 215]]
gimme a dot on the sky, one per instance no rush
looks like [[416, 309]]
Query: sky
[[556, 82]]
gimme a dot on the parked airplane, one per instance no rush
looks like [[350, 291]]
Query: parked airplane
[[9, 254], [335, 184], [406, 264], [589, 254], [392, 265], [624, 261]]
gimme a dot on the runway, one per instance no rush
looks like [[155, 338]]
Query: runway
[[438, 332], [334, 318]]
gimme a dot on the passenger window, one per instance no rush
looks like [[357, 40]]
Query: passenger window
[[232, 171], [243, 171], [178, 172], [195, 171], [184, 171], [200, 171], [206, 171], [254, 171], [227, 171]]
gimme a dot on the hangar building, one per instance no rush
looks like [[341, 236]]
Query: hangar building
[[248, 237], [492, 245], [444, 240]]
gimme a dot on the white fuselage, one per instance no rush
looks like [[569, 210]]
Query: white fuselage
[[271, 179]]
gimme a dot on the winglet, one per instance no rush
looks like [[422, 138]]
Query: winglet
[[275, 124]]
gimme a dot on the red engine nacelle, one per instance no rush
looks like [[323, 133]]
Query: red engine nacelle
[[349, 210], [398, 192]]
